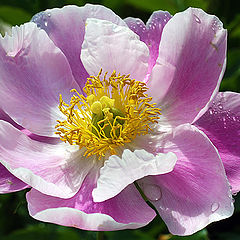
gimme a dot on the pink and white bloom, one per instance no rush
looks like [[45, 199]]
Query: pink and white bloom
[[183, 164]]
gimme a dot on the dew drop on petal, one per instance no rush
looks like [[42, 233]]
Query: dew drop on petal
[[228, 115], [210, 111], [138, 22], [224, 122], [216, 25], [215, 207], [220, 106], [165, 209], [152, 192], [197, 19]]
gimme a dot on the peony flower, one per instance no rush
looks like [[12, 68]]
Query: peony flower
[[98, 111]]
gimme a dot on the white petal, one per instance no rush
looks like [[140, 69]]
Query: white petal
[[117, 173], [110, 47]]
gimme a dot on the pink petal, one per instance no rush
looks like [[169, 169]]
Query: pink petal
[[117, 173], [221, 123], [57, 170], [190, 65], [150, 33], [9, 183], [196, 192], [66, 27], [33, 74], [126, 210], [5, 117], [110, 47]]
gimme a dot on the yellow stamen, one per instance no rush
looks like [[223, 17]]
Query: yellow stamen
[[114, 112]]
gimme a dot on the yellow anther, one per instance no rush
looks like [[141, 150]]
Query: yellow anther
[[96, 107]]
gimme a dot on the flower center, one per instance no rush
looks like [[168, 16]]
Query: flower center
[[112, 113]]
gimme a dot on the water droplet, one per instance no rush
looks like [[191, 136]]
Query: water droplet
[[215, 207], [165, 209], [216, 25], [45, 23], [228, 115], [210, 111], [152, 192], [154, 26], [197, 19], [220, 106], [165, 20], [49, 14], [234, 118], [234, 194]]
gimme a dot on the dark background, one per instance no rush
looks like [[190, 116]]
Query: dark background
[[15, 223]]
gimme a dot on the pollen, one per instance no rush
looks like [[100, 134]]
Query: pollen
[[109, 114]]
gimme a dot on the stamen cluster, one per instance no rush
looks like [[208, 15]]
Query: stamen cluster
[[112, 112]]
